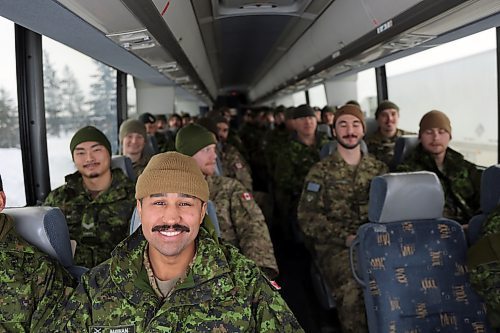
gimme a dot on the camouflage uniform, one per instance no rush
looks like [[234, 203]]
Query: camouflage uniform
[[275, 140], [31, 283], [382, 147], [223, 292], [99, 224], [485, 272], [296, 160], [235, 166], [140, 164], [241, 222], [165, 141], [334, 203], [460, 180]]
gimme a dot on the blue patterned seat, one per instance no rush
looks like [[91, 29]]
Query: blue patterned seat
[[489, 199], [411, 262]]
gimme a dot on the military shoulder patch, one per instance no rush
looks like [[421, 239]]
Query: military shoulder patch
[[246, 196], [238, 165], [313, 187]]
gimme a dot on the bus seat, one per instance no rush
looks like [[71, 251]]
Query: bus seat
[[330, 147], [410, 261], [489, 199], [371, 126], [324, 128], [124, 163], [46, 228], [135, 220], [403, 146], [152, 145]]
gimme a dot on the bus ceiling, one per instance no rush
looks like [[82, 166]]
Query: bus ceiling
[[259, 48]]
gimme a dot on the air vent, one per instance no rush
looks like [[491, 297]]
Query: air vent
[[406, 41], [134, 40], [253, 7]]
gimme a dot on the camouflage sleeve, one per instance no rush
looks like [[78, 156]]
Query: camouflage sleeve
[[76, 314], [54, 284], [51, 199], [272, 313], [251, 229], [311, 214], [284, 174], [492, 224]]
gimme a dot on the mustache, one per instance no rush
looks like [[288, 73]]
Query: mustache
[[173, 227], [350, 136]]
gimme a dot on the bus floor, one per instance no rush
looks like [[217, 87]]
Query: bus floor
[[295, 281]]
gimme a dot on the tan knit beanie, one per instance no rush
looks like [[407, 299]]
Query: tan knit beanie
[[435, 119], [172, 172], [353, 110]]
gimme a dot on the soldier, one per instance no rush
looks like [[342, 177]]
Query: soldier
[[170, 275], [233, 163], [333, 204], [161, 141], [98, 202], [483, 261], [277, 138], [134, 144], [297, 157], [460, 179], [240, 218], [381, 143], [31, 283]]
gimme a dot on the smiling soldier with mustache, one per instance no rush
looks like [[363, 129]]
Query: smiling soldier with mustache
[[171, 275]]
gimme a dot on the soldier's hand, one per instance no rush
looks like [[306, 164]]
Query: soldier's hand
[[349, 239]]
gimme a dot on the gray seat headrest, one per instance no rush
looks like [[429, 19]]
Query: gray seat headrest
[[45, 228], [125, 164], [490, 188], [371, 126], [405, 196], [403, 146]]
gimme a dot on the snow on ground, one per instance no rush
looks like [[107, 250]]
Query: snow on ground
[[11, 169]]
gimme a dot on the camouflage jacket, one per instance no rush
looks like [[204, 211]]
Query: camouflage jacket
[[99, 224], [383, 148], [296, 160], [235, 166], [460, 180], [223, 292], [241, 221], [31, 283], [334, 201], [275, 140], [485, 272], [140, 164]]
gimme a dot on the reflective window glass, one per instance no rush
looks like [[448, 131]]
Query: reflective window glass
[[79, 91], [460, 79], [366, 85], [317, 96], [11, 167]]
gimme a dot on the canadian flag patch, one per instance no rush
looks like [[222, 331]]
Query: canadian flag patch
[[246, 196], [275, 284]]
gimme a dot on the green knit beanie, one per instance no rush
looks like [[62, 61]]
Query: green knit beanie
[[132, 126], [89, 133], [192, 138]]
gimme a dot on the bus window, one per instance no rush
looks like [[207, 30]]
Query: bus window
[[131, 97], [367, 91], [79, 91], [10, 148], [458, 78], [299, 98], [317, 96]]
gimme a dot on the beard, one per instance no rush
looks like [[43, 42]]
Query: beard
[[349, 146]]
